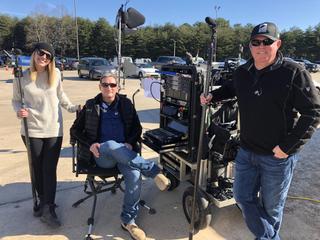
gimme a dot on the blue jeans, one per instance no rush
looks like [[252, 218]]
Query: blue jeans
[[131, 165], [271, 178]]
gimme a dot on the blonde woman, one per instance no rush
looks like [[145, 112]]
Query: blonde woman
[[43, 96]]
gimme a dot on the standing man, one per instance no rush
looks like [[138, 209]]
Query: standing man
[[271, 92]]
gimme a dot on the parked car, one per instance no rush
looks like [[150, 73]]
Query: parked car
[[198, 60], [318, 63], [123, 59], [145, 70], [68, 65], [311, 67], [94, 68], [59, 64], [164, 60], [291, 59], [139, 70], [74, 64], [232, 63], [142, 60], [8, 58], [217, 65]]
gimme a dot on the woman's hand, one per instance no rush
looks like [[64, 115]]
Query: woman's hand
[[23, 113]]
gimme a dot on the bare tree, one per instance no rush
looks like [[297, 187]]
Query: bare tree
[[50, 23], [38, 29]]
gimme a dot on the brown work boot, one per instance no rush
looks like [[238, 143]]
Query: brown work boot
[[162, 182], [135, 232]]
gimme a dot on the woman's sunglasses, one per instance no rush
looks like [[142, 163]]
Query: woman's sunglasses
[[105, 85], [41, 53], [265, 42]]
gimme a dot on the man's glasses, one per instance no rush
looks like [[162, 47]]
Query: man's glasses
[[105, 85], [265, 42], [41, 53]]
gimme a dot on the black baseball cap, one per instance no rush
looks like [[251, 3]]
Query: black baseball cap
[[44, 46], [267, 29]]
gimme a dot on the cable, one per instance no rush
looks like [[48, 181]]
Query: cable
[[151, 91], [304, 198]]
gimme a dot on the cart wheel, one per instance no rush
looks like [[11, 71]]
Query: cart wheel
[[202, 216], [174, 182]]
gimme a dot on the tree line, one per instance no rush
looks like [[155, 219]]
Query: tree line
[[99, 38]]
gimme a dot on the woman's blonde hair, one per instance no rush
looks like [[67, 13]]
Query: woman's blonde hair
[[51, 70]]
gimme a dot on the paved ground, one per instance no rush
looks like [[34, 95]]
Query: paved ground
[[16, 221]]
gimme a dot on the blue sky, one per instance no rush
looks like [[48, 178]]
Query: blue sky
[[285, 13]]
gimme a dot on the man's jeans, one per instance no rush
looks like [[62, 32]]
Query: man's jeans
[[270, 177], [131, 165]]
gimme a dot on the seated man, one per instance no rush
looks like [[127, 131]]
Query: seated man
[[109, 128]]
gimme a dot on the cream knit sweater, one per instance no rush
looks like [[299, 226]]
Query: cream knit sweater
[[44, 105]]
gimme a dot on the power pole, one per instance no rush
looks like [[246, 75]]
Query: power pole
[[174, 47]]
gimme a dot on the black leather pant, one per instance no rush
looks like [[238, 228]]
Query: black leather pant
[[45, 155]]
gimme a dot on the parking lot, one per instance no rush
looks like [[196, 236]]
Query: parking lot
[[301, 219]]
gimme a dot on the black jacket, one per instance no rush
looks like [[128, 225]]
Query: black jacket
[[85, 128], [269, 102]]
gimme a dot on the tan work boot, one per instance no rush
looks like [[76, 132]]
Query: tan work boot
[[162, 182], [135, 232]]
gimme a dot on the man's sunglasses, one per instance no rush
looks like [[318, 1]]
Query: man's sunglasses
[[265, 42], [105, 85], [41, 53]]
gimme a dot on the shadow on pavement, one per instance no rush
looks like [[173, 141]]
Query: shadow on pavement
[[7, 81], [168, 223], [4, 151], [72, 78], [66, 152]]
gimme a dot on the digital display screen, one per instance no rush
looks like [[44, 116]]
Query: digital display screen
[[178, 126], [178, 86]]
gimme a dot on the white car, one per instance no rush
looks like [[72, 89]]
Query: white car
[[124, 59], [146, 70], [143, 70], [142, 60]]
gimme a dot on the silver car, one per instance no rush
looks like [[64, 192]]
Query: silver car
[[94, 68]]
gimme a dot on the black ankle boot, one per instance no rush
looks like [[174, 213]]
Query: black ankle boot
[[49, 216], [38, 210]]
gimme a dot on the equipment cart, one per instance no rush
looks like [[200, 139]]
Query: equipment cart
[[177, 141]]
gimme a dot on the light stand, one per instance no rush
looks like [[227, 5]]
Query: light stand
[[206, 82], [119, 25], [129, 19], [18, 75]]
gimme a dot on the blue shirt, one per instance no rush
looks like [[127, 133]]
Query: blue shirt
[[111, 125]]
